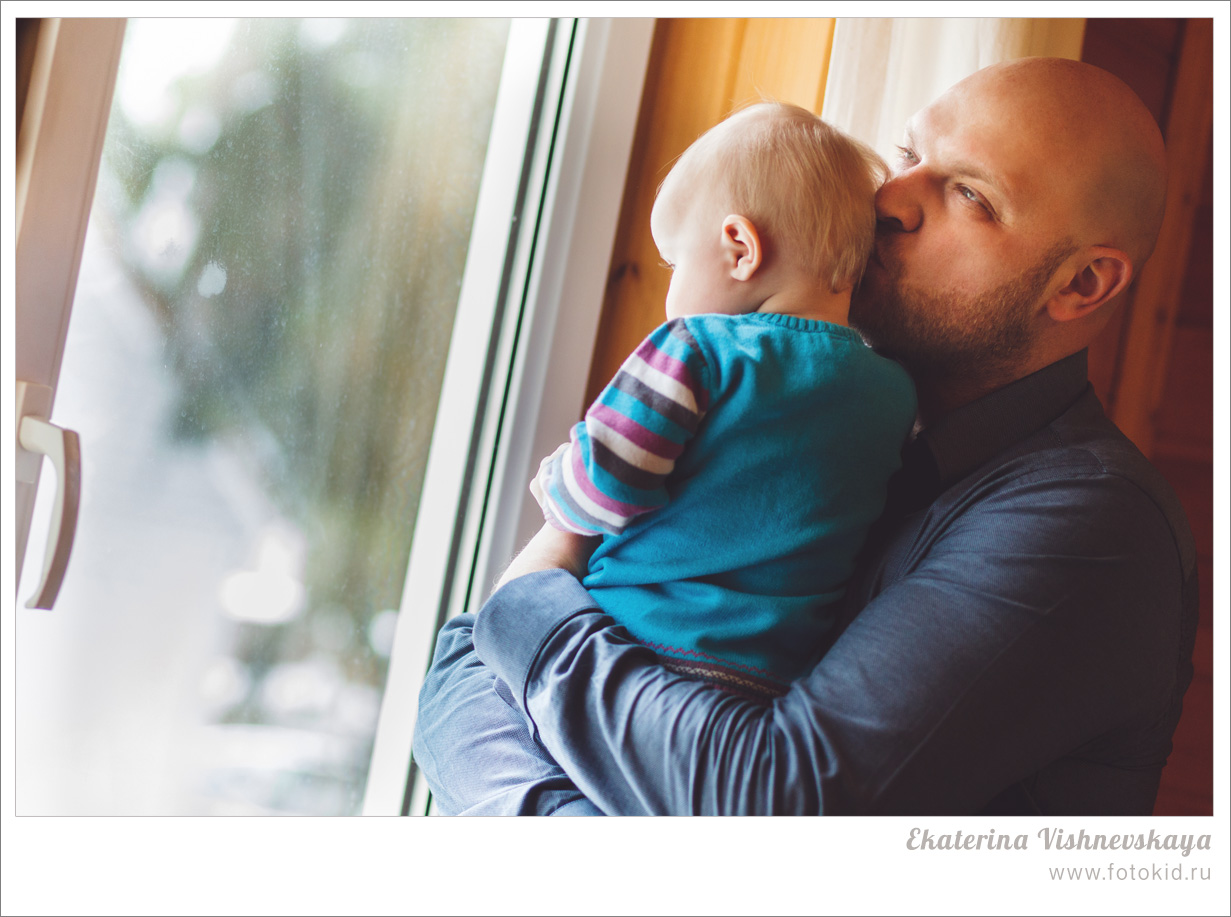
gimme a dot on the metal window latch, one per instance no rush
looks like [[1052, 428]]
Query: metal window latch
[[38, 437]]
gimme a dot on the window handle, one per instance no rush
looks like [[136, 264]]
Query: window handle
[[39, 437]]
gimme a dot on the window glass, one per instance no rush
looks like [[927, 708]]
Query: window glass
[[265, 304]]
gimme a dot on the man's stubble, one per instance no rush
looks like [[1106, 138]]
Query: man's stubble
[[950, 336]]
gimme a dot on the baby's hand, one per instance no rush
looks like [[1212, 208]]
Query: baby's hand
[[536, 487]]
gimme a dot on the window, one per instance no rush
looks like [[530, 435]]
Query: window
[[312, 309]]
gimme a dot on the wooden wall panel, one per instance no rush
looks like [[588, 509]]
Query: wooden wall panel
[[1139, 51], [1152, 316], [1185, 424], [1154, 368], [785, 60], [1143, 53], [1198, 292]]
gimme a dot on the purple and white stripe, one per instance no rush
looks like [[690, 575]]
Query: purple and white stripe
[[630, 451]]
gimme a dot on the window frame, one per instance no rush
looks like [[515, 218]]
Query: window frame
[[548, 221], [59, 148], [544, 349]]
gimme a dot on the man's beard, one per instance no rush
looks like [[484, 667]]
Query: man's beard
[[948, 336]]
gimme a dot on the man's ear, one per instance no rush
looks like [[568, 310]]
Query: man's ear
[[741, 246], [1103, 274]]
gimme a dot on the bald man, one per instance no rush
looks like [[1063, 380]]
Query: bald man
[[1020, 629]]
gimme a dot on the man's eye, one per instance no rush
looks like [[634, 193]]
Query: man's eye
[[907, 155], [972, 196]]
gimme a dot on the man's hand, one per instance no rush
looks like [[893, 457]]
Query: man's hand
[[552, 549]]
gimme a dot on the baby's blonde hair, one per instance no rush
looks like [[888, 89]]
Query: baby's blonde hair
[[802, 182]]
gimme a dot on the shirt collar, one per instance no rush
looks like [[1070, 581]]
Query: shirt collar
[[962, 441]]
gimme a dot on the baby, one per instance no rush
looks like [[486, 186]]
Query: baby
[[737, 460]]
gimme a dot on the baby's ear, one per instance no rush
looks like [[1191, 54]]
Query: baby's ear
[[741, 246]]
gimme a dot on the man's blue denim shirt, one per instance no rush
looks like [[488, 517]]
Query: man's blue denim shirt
[[1018, 639]]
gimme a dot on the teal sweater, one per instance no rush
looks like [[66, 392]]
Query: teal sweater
[[730, 567]]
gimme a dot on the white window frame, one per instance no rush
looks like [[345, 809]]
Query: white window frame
[[475, 509], [61, 142], [549, 345]]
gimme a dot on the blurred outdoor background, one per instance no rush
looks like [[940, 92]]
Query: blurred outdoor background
[[264, 309]]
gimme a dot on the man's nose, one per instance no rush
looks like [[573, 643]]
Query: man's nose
[[898, 206]]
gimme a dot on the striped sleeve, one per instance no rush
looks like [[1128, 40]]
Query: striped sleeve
[[615, 465]]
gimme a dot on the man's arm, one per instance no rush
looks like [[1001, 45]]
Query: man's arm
[[972, 672], [473, 745], [471, 742]]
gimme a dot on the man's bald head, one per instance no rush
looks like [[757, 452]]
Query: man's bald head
[[1101, 143]]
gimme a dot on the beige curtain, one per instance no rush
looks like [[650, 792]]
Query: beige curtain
[[884, 70]]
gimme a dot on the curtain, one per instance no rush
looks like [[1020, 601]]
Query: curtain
[[884, 70]]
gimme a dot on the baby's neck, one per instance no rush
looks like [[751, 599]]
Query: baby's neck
[[811, 302]]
